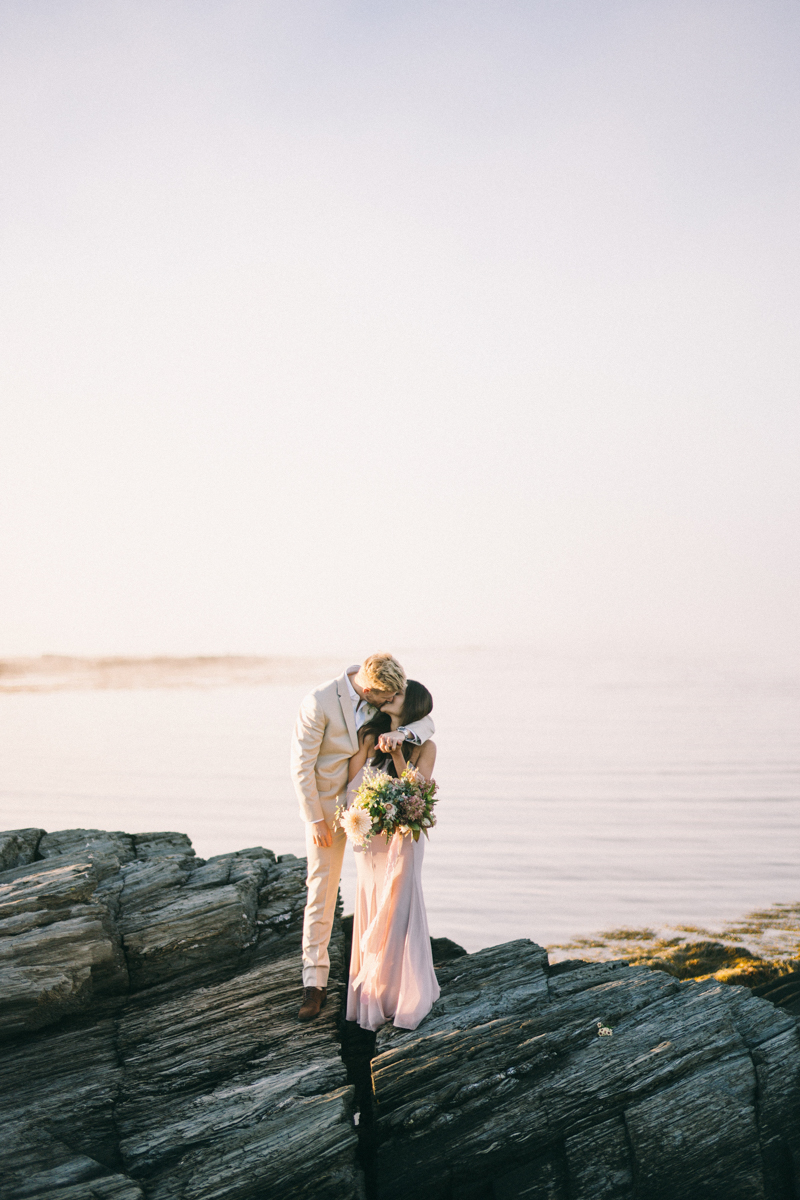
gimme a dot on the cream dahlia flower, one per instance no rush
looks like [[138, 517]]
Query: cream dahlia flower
[[357, 824]]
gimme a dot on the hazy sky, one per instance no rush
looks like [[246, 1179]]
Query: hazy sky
[[351, 325]]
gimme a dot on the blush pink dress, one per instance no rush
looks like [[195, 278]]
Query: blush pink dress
[[391, 966]]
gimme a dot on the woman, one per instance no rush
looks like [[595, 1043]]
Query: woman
[[391, 967]]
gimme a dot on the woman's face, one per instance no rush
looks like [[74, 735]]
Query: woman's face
[[395, 707]]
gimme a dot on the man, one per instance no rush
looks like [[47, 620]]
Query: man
[[325, 738]]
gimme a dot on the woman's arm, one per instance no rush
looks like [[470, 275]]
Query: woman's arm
[[398, 758], [366, 747], [426, 759]]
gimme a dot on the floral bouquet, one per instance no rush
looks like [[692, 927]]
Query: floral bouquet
[[387, 805]]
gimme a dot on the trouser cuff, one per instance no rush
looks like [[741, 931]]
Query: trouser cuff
[[315, 977]]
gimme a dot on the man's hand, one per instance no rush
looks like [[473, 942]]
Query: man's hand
[[388, 742], [321, 834]]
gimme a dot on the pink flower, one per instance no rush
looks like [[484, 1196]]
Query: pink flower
[[413, 807]]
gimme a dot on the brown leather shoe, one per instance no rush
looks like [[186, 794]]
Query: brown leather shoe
[[313, 1000]]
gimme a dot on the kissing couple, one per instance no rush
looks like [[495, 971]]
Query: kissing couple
[[371, 716]]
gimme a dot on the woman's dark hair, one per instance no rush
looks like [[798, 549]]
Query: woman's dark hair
[[417, 703]]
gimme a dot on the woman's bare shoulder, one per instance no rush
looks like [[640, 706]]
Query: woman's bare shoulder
[[426, 747]]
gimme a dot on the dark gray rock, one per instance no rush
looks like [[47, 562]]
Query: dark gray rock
[[59, 946], [508, 1088], [234, 1078], [57, 1092], [186, 929], [599, 1162], [149, 1004], [281, 902], [18, 847], [87, 843], [174, 1065], [151, 845], [444, 950], [785, 990]]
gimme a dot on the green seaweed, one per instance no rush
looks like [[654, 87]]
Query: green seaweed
[[752, 950]]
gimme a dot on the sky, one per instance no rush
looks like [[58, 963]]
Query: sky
[[346, 326]]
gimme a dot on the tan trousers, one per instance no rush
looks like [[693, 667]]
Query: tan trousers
[[324, 873]]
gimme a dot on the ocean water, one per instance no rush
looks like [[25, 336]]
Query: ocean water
[[578, 793]]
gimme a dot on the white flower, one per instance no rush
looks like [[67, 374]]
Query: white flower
[[357, 824], [390, 809]]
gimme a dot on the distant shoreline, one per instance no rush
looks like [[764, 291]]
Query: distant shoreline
[[62, 672]]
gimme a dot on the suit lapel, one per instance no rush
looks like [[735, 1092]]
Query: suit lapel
[[347, 709]]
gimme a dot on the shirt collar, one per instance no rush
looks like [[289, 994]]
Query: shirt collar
[[354, 696]]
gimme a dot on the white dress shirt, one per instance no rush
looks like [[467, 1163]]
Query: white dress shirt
[[362, 709]]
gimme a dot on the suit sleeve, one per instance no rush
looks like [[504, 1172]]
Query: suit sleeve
[[306, 741], [420, 731]]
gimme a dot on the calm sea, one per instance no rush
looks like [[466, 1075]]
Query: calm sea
[[578, 794]]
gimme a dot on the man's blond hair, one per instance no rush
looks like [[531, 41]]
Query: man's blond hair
[[384, 673]]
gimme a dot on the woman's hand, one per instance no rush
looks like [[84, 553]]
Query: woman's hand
[[388, 742]]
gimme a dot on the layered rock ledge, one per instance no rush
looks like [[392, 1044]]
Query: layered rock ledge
[[151, 1049], [148, 1003]]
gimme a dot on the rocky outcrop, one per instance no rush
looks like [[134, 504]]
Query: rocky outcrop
[[148, 1007], [148, 1002], [587, 1080]]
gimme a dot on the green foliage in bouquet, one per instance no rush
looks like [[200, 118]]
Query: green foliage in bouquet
[[387, 805]]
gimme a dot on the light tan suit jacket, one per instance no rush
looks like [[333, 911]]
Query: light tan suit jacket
[[324, 740]]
